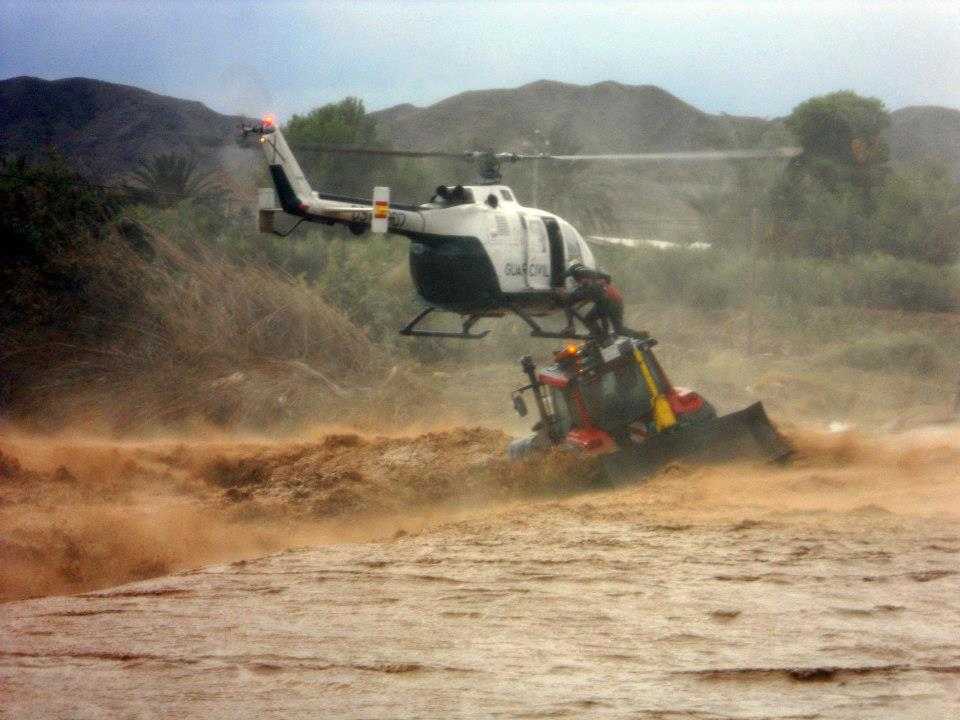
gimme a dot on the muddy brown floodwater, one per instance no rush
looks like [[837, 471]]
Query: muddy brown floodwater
[[827, 589]]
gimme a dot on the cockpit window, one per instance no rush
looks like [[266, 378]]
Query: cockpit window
[[447, 196]]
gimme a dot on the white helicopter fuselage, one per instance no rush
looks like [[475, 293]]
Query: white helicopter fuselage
[[488, 250], [516, 238]]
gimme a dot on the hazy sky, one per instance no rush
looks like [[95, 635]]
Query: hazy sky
[[755, 58]]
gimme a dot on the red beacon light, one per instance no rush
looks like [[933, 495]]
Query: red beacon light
[[568, 354], [267, 125]]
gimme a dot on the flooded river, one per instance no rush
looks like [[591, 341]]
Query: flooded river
[[827, 589]]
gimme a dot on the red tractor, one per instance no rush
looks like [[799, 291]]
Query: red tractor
[[617, 402]]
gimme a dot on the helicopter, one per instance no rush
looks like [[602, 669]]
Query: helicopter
[[474, 249]]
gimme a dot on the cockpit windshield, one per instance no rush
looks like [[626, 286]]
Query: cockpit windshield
[[448, 196], [617, 398]]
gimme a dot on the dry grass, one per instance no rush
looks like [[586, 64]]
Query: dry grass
[[178, 337]]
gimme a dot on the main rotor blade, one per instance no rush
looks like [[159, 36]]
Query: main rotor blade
[[681, 156], [339, 150], [509, 157]]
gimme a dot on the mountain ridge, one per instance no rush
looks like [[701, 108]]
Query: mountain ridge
[[106, 129], [605, 116]]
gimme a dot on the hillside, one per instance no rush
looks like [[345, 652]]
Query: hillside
[[605, 117], [926, 131], [106, 129], [651, 200], [548, 116], [103, 128]]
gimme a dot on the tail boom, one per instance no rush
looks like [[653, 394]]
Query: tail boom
[[297, 198]]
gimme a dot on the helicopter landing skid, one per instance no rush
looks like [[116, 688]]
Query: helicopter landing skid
[[539, 332], [465, 334]]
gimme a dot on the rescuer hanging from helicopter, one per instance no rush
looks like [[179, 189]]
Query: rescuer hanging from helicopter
[[595, 286]]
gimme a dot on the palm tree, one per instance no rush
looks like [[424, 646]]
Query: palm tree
[[165, 180]]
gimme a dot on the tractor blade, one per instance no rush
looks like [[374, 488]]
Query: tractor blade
[[746, 434]]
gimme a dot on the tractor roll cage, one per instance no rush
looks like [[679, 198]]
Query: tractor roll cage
[[579, 376]]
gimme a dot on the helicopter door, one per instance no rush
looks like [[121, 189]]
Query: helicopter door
[[557, 266]]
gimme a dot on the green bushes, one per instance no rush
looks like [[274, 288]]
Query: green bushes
[[868, 281], [717, 279], [882, 281], [696, 278]]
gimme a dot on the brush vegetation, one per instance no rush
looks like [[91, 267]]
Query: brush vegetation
[[142, 317]]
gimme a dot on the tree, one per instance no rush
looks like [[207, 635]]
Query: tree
[[165, 180], [341, 124], [842, 139], [826, 196], [843, 127], [48, 214], [347, 124], [52, 222]]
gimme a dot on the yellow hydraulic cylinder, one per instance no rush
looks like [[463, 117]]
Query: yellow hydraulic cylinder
[[663, 415]]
